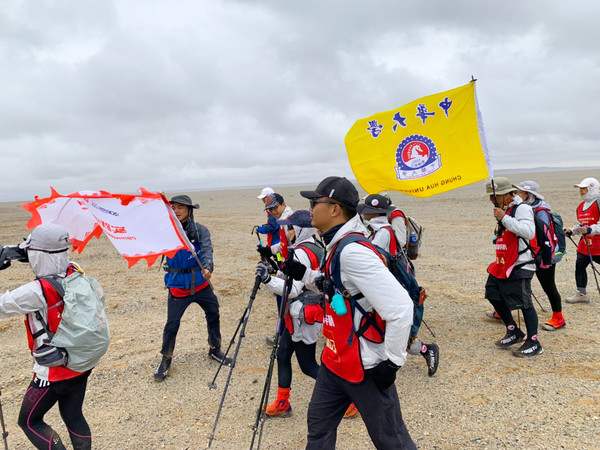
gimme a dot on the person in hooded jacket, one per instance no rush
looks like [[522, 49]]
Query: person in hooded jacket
[[529, 193], [359, 365], [375, 212], [46, 250], [588, 215], [508, 286], [188, 280]]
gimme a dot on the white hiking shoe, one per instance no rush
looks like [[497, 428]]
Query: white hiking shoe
[[578, 298]]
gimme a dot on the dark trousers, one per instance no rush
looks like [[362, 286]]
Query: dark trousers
[[581, 278], [379, 409], [546, 279], [305, 354], [176, 306], [69, 395]]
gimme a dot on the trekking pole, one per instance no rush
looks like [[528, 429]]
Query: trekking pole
[[264, 400], [432, 333], [594, 270], [242, 323], [538, 302], [4, 432]]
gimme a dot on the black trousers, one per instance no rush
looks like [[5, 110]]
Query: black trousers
[[581, 278], [305, 354], [379, 409], [546, 279], [69, 395], [176, 306]]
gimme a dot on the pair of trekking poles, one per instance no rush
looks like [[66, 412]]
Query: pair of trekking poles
[[594, 269], [241, 328]]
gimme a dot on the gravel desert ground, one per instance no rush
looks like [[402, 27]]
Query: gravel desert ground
[[480, 398]]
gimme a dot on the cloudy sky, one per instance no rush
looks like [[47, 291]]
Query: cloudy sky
[[195, 94]]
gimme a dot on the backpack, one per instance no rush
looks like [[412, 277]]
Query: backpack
[[414, 232], [401, 268], [83, 331], [560, 248]]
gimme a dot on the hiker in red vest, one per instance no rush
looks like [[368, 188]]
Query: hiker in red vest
[[508, 286], [358, 365], [46, 250], [375, 211], [588, 215]]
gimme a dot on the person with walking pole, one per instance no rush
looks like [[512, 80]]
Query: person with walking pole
[[188, 280], [588, 250], [358, 364], [508, 286]]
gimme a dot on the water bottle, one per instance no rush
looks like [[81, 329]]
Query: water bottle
[[412, 238]]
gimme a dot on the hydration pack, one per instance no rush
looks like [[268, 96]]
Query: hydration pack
[[414, 232], [83, 334]]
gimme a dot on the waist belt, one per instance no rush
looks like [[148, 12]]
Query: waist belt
[[189, 270]]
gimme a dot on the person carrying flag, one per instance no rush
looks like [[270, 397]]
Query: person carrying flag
[[508, 286]]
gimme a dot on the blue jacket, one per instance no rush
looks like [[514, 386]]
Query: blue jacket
[[183, 269], [271, 229]]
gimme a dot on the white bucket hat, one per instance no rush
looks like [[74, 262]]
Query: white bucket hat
[[531, 187]]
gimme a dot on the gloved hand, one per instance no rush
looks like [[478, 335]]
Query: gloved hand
[[265, 252], [326, 286], [262, 271], [384, 374], [294, 269], [568, 232]]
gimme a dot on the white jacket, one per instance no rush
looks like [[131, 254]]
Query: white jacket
[[363, 271], [302, 331], [381, 238]]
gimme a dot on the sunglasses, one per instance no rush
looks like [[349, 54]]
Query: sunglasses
[[313, 202]]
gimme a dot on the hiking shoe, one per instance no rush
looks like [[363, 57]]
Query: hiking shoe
[[432, 357], [351, 411], [279, 408], [511, 338], [493, 315], [554, 324], [578, 297], [163, 369], [216, 354], [528, 349]]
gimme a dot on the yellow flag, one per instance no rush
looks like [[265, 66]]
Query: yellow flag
[[426, 147]]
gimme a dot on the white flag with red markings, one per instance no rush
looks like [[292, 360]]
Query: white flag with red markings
[[139, 226]]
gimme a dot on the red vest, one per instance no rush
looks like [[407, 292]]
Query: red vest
[[55, 308], [507, 253], [393, 243], [589, 217], [341, 354]]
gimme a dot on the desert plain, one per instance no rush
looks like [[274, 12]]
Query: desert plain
[[481, 397]]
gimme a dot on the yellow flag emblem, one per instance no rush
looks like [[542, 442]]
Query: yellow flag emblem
[[426, 147]]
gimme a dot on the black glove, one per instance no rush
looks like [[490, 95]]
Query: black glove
[[384, 374], [326, 286], [265, 252], [262, 271], [568, 233], [294, 269]]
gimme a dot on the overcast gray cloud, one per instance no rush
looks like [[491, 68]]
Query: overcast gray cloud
[[196, 94]]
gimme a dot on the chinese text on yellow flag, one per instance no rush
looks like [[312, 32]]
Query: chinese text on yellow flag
[[426, 147]]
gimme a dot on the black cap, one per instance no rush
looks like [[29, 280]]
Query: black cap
[[299, 218], [274, 200], [184, 200], [375, 204], [336, 188]]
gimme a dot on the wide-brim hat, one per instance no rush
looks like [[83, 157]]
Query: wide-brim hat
[[299, 218], [49, 237], [531, 187], [339, 189], [375, 204], [501, 186], [184, 200]]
